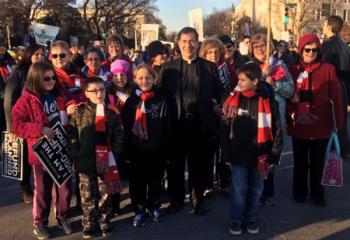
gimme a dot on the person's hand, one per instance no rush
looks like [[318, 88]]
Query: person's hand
[[266, 68], [270, 81], [47, 132], [71, 110]]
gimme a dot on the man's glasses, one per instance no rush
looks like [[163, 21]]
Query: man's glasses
[[48, 79], [61, 55], [307, 50], [95, 91]]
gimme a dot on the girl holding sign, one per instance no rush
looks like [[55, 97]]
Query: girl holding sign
[[41, 106]]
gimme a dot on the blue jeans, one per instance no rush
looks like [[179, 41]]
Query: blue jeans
[[246, 189]]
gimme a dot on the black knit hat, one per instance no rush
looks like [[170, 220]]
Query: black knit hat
[[155, 48], [225, 39]]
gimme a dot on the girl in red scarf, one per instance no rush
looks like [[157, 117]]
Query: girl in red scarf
[[144, 120], [41, 105], [309, 118]]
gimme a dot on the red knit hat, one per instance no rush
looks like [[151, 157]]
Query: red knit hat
[[307, 39]]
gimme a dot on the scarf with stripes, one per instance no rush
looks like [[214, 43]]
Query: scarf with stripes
[[140, 123], [264, 131], [105, 162]]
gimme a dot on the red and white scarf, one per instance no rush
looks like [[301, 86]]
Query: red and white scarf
[[122, 97], [264, 135], [62, 110], [140, 123], [303, 96], [70, 81], [105, 162]]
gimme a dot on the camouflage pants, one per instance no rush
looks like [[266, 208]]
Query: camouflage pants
[[95, 201]]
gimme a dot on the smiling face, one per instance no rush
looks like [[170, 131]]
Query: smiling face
[[144, 79], [115, 50], [49, 81], [259, 50], [60, 57], [213, 55], [188, 45], [310, 52], [160, 59], [95, 92], [245, 83], [93, 62], [38, 56], [120, 80]]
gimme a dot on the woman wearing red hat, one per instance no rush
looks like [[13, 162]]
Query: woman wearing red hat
[[310, 119]]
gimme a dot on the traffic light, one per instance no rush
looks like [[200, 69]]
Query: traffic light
[[286, 15]]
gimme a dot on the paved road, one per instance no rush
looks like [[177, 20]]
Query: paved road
[[288, 220]]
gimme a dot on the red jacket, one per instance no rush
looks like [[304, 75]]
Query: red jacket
[[28, 118], [325, 86]]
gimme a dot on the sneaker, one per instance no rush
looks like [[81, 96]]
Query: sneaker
[[252, 227], [65, 227], [41, 233], [208, 193], [156, 215], [88, 233], [139, 220], [106, 233], [235, 229]]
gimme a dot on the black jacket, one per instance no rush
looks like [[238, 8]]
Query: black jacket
[[157, 124], [81, 135], [238, 136], [206, 90], [337, 53], [13, 91]]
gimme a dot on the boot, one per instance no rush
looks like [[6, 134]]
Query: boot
[[27, 194]]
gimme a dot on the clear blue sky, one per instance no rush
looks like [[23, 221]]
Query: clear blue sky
[[174, 13]]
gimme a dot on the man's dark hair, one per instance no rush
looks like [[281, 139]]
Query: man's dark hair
[[187, 30], [93, 49], [251, 70], [336, 23], [92, 80], [246, 36], [225, 39]]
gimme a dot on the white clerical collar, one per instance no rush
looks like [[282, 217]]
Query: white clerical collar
[[189, 61]]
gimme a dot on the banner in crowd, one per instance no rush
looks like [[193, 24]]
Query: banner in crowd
[[224, 76], [149, 33], [54, 156], [44, 33], [196, 21], [12, 157], [285, 36]]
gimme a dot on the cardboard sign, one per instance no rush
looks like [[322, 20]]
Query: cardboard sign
[[224, 76], [12, 157], [54, 156], [196, 21], [149, 33]]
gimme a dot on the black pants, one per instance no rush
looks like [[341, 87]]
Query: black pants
[[145, 186], [191, 144], [269, 185], [27, 169], [308, 156]]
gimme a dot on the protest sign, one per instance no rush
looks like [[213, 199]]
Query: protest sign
[[54, 155], [12, 157], [149, 33], [224, 76], [196, 21], [44, 33]]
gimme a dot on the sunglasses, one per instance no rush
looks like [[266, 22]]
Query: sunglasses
[[307, 50], [283, 45], [48, 79], [61, 55], [95, 91]]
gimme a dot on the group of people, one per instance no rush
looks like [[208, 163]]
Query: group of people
[[210, 106]]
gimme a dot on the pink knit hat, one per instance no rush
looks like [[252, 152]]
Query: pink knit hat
[[120, 66]]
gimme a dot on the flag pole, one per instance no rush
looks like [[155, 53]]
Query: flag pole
[[268, 47]]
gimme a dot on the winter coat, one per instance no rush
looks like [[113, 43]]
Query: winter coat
[[81, 135], [104, 74], [13, 92], [325, 87], [5, 62], [28, 118], [238, 136], [208, 90]]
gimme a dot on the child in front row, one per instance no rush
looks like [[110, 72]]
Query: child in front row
[[144, 119], [40, 107], [251, 139], [96, 141]]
